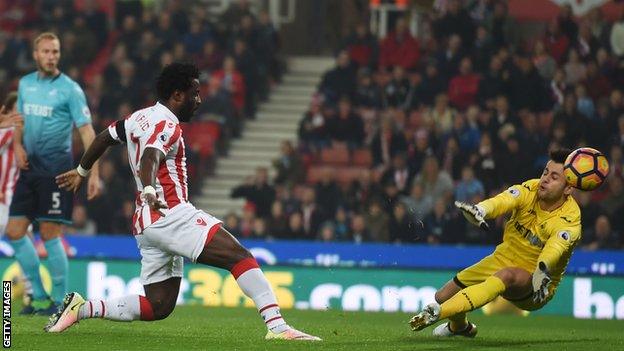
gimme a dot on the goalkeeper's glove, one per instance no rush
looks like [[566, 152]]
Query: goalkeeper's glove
[[474, 214], [541, 283]]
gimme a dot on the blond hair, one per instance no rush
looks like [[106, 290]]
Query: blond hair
[[45, 36]]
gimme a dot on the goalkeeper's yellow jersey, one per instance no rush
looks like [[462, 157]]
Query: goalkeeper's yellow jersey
[[533, 235]]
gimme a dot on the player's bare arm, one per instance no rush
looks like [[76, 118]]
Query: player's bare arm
[[87, 135], [150, 161], [10, 119], [72, 180], [20, 153]]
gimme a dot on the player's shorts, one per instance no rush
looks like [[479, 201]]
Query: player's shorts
[[39, 199], [489, 265], [4, 217], [183, 232]]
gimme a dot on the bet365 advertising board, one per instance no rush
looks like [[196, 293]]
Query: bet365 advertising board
[[351, 289]]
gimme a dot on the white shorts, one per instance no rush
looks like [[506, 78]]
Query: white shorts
[[181, 233], [4, 218]]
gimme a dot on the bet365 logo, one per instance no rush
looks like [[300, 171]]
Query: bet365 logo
[[601, 303]]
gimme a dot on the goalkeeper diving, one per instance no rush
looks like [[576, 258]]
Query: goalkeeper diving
[[543, 229]]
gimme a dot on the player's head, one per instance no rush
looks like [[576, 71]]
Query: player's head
[[553, 185], [10, 102], [47, 53], [178, 87]]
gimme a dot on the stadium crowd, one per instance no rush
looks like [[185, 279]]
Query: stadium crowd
[[402, 126], [115, 56]]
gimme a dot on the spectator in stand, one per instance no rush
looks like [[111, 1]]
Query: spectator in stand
[[289, 166], [312, 214], [327, 194], [586, 44], [362, 47], [401, 226], [327, 232], [482, 50], [194, 40], [259, 230], [439, 226], [397, 91], [600, 85], [81, 225], [231, 223], [399, 48], [232, 82], [359, 231], [277, 224], [386, 143], [501, 25], [418, 204], [455, 21], [346, 126], [399, 174], [584, 104], [464, 87], [449, 57], [469, 189], [339, 81], [295, 227], [543, 62], [368, 95], [557, 88], [439, 118], [573, 123], [246, 64], [436, 183], [268, 46], [617, 37], [377, 222], [313, 133], [494, 82], [556, 42], [258, 192], [615, 198], [603, 237], [575, 69], [341, 224], [528, 89], [567, 23], [433, 84]]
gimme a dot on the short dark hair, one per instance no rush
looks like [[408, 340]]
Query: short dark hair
[[175, 77], [559, 155], [10, 100]]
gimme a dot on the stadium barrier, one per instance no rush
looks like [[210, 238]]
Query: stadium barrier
[[302, 253], [348, 289]]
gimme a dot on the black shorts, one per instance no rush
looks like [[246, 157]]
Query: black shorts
[[40, 199]]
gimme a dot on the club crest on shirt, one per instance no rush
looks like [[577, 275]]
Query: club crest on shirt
[[514, 192], [564, 235]]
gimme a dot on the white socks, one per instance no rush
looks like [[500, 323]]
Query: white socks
[[124, 309], [254, 284]]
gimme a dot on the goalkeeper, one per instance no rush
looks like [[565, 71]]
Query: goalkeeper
[[538, 240]]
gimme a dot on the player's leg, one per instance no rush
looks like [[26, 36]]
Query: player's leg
[[511, 282], [22, 208], [222, 250], [161, 274], [458, 322], [57, 258], [54, 209]]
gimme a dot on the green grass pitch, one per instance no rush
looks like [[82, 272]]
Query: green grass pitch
[[202, 328]]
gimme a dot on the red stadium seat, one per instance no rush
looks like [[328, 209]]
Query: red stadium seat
[[335, 156], [362, 158]]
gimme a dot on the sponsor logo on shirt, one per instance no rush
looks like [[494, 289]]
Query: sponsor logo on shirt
[[38, 110]]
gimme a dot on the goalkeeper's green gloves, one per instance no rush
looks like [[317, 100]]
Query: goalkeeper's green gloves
[[474, 214], [541, 283]]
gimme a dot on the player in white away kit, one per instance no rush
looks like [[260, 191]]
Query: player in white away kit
[[166, 226], [9, 172]]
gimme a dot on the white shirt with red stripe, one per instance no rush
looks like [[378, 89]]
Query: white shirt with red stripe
[[155, 127], [9, 172]]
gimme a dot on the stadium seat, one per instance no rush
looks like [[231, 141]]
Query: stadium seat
[[336, 155], [362, 158]]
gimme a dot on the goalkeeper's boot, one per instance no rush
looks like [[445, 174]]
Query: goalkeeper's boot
[[429, 315], [291, 334], [67, 314], [444, 330], [45, 307]]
